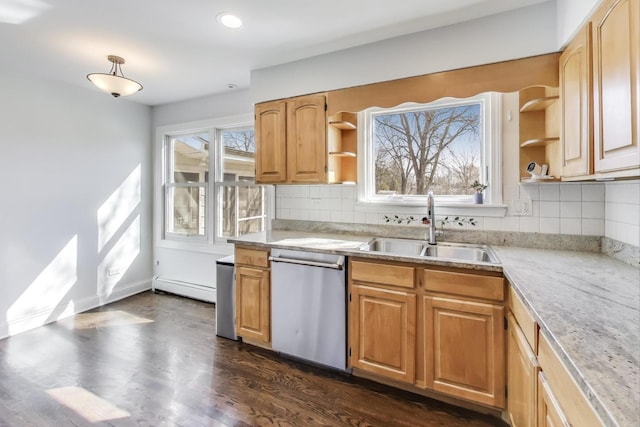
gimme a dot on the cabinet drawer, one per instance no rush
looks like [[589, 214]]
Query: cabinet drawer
[[471, 285], [526, 321], [255, 257], [384, 274], [569, 396]]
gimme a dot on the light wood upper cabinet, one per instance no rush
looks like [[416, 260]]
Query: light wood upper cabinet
[[464, 342], [522, 374], [253, 295], [271, 142], [616, 82], [575, 100], [306, 139], [297, 143], [382, 333]]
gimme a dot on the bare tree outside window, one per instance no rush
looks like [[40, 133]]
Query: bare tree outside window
[[240, 139], [428, 149]]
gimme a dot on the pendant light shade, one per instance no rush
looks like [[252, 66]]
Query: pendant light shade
[[115, 82]]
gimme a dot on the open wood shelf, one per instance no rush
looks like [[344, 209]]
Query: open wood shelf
[[342, 154], [538, 104], [539, 142], [529, 180], [343, 125]]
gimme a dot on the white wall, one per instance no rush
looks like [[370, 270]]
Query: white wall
[[525, 32], [76, 166], [229, 104], [623, 211], [571, 15]]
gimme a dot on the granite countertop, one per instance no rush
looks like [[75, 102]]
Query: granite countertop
[[346, 244], [587, 304]]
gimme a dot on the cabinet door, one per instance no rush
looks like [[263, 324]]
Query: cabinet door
[[464, 347], [575, 98], [382, 333], [253, 296], [307, 139], [271, 142], [522, 369], [550, 413], [616, 71]]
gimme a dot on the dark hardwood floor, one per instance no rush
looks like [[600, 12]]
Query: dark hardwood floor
[[154, 360]]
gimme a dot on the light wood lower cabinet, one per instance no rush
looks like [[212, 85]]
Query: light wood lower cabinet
[[404, 327], [253, 295], [383, 337], [464, 342], [522, 374], [549, 411]]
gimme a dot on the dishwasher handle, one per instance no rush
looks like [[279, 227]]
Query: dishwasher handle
[[336, 266]]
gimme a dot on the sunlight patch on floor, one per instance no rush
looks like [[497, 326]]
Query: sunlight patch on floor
[[105, 319], [86, 404]]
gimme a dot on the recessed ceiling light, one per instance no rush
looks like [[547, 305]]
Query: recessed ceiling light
[[229, 20]]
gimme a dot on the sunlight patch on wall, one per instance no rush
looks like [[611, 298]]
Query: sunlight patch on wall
[[19, 11], [117, 208], [47, 290], [104, 319], [117, 261], [86, 404]]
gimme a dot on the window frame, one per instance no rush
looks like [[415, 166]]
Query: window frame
[[491, 163], [210, 242]]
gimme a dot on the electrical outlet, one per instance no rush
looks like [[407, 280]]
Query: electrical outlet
[[521, 207]]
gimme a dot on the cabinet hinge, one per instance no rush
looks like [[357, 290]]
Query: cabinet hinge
[[325, 106], [325, 169], [349, 351], [349, 296], [506, 391], [506, 324]]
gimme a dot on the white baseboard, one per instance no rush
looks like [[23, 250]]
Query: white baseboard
[[191, 290], [34, 320]]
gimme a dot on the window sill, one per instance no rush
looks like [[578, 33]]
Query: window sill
[[462, 209]]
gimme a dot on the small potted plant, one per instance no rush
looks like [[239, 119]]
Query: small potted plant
[[478, 188]]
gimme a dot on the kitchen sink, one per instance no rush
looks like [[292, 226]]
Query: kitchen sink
[[462, 252], [450, 251], [395, 246]]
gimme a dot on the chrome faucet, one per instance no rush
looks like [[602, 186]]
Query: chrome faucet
[[431, 216]]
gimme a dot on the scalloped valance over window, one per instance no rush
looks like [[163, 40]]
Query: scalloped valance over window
[[507, 76]]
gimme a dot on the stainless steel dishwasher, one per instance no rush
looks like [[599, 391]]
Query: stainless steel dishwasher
[[308, 306]]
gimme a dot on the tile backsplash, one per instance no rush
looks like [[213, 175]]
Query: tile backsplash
[[622, 211], [590, 209]]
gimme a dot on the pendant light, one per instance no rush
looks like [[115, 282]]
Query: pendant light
[[114, 82]]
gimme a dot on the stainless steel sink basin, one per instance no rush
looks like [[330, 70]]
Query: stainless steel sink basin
[[462, 252], [395, 246], [451, 251]]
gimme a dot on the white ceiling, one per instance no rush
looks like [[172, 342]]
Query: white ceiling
[[177, 49]]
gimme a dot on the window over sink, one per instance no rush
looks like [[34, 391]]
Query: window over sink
[[442, 146]]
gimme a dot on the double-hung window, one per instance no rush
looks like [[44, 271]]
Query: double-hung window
[[209, 184], [442, 147]]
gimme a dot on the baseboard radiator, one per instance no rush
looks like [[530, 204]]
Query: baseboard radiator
[[191, 290]]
